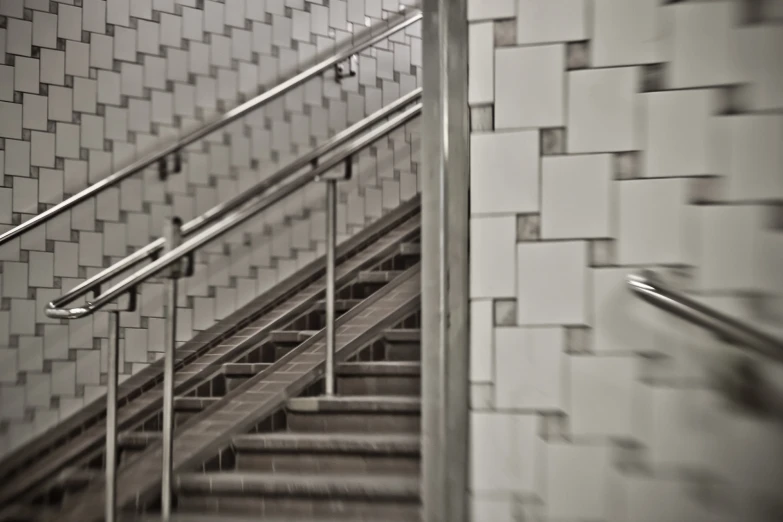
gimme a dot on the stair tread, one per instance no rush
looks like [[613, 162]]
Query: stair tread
[[244, 369], [138, 438], [368, 443], [324, 484], [356, 403], [403, 335], [220, 517], [412, 368]]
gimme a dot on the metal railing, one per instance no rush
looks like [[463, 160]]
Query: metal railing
[[160, 158], [649, 286], [177, 261]]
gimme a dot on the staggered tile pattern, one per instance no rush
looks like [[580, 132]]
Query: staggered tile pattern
[[86, 86], [606, 136]]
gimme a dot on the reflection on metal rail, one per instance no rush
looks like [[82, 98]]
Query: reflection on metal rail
[[177, 261], [160, 157], [648, 286]]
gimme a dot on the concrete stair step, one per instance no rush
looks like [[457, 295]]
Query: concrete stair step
[[211, 517], [193, 404], [399, 488], [379, 378], [402, 335], [300, 496], [137, 439], [291, 336], [377, 276], [340, 305], [380, 444], [236, 370], [354, 414], [306, 453], [355, 404], [381, 368]]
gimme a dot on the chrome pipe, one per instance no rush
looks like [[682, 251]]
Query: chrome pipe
[[223, 209], [173, 235], [331, 247], [219, 123], [237, 217], [649, 286], [110, 456]]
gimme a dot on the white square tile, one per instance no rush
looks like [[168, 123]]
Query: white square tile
[[654, 222], [626, 32], [68, 141], [622, 323], [69, 22], [729, 247], [43, 145], [34, 112], [44, 29], [750, 157], [703, 44], [118, 12], [481, 71], [758, 60], [601, 393], [60, 104], [27, 74], [541, 70], [481, 341], [19, 37], [17, 157], [678, 133], [551, 283], [680, 426], [576, 481], [504, 172], [484, 10], [490, 508], [543, 21], [6, 82], [502, 447], [94, 16], [603, 110], [53, 66], [101, 51], [492, 256], [530, 368], [10, 120], [578, 196]]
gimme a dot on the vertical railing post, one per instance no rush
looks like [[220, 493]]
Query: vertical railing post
[[173, 235], [331, 245], [111, 417], [331, 262]]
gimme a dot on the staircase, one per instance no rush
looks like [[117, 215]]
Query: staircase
[[254, 434]]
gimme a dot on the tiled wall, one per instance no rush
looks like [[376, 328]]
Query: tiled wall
[[606, 136], [86, 86]]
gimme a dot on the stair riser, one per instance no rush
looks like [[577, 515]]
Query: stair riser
[[380, 385], [353, 423], [298, 508], [315, 463]]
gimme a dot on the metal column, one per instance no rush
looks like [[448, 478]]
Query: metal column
[[173, 237], [331, 245], [110, 456]]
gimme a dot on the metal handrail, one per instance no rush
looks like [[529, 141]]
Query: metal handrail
[[233, 219], [152, 249], [649, 287], [219, 123]]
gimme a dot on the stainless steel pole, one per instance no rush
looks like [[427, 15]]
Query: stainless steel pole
[[173, 235], [110, 456], [331, 245]]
